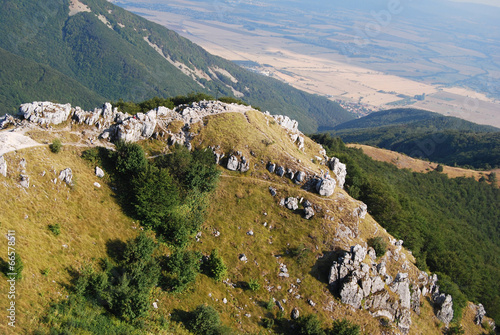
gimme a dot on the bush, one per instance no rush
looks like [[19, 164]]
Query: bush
[[309, 325], [270, 304], [56, 146], [344, 327], [55, 229], [182, 267], [204, 320], [215, 266], [254, 285], [130, 159], [439, 168], [268, 323], [379, 245]]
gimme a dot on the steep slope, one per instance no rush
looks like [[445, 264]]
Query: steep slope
[[426, 135], [23, 80], [120, 55], [255, 219]]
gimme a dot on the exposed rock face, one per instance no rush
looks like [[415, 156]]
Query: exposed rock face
[[361, 210], [7, 120], [292, 203], [232, 163], [45, 112], [445, 308], [287, 123], [480, 314], [326, 187], [351, 293], [339, 169], [245, 164], [66, 175], [300, 177], [3, 166], [99, 172]]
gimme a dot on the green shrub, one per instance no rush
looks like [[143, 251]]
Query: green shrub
[[344, 327], [439, 168], [215, 266], [182, 268], [309, 325], [455, 329], [268, 323], [379, 245], [56, 146], [254, 285], [55, 229], [129, 158], [270, 304], [91, 155], [204, 320]]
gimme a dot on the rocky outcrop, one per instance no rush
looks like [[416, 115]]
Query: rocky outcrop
[[291, 203], [339, 169], [361, 210], [271, 167], [99, 172], [308, 211], [66, 175], [287, 123], [325, 187], [295, 314], [3, 166], [235, 164], [444, 305], [300, 177], [44, 112], [480, 314], [232, 163]]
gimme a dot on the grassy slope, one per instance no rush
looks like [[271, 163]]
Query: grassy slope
[[89, 215]]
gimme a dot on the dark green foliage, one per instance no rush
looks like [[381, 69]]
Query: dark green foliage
[[56, 146], [214, 267], [379, 245], [204, 320], [427, 135], [451, 225], [55, 229], [182, 268], [309, 325], [439, 168], [155, 194], [91, 155], [268, 323], [344, 327], [455, 329], [270, 304], [300, 253], [130, 159]]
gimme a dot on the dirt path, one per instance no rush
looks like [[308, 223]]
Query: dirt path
[[12, 140]]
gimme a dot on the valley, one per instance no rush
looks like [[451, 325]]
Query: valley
[[325, 51]]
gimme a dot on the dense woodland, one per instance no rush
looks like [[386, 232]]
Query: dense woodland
[[427, 135], [452, 226]]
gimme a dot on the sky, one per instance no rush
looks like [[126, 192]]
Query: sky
[[485, 2]]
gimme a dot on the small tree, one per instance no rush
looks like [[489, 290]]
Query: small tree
[[215, 266], [204, 320], [439, 168], [344, 327], [378, 244], [254, 284], [56, 146], [309, 325]]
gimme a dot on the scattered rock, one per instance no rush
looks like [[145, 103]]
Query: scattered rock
[[224, 301], [272, 191], [361, 210], [271, 167], [295, 313], [66, 175], [99, 172], [243, 258], [292, 203], [96, 184], [25, 181], [250, 232], [308, 213], [326, 187], [280, 171], [300, 177], [310, 302], [155, 305], [22, 164], [281, 308]]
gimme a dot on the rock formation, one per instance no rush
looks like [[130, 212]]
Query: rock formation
[[325, 187], [339, 169], [66, 175]]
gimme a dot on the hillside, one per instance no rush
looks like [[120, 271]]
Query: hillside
[[427, 135], [401, 161], [119, 55], [254, 217]]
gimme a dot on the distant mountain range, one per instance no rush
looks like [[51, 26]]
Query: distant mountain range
[[427, 135], [112, 54]]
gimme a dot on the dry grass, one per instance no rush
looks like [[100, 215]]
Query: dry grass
[[405, 162]]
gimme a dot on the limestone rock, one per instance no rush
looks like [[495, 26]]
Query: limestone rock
[[444, 304], [300, 177], [286, 122], [480, 314], [232, 163], [401, 287], [404, 320], [45, 112], [6, 120], [99, 172], [295, 313], [96, 184], [292, 203], [340, 171], [351, 293], [415, 299], [361, 210], [358, 253], [3, 166], [377, 284], [243, 258], [66, 175], [272, 190], [271, 167], [308, 212], [245, 165], [326, 187], [25, 181], [280, 171]]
